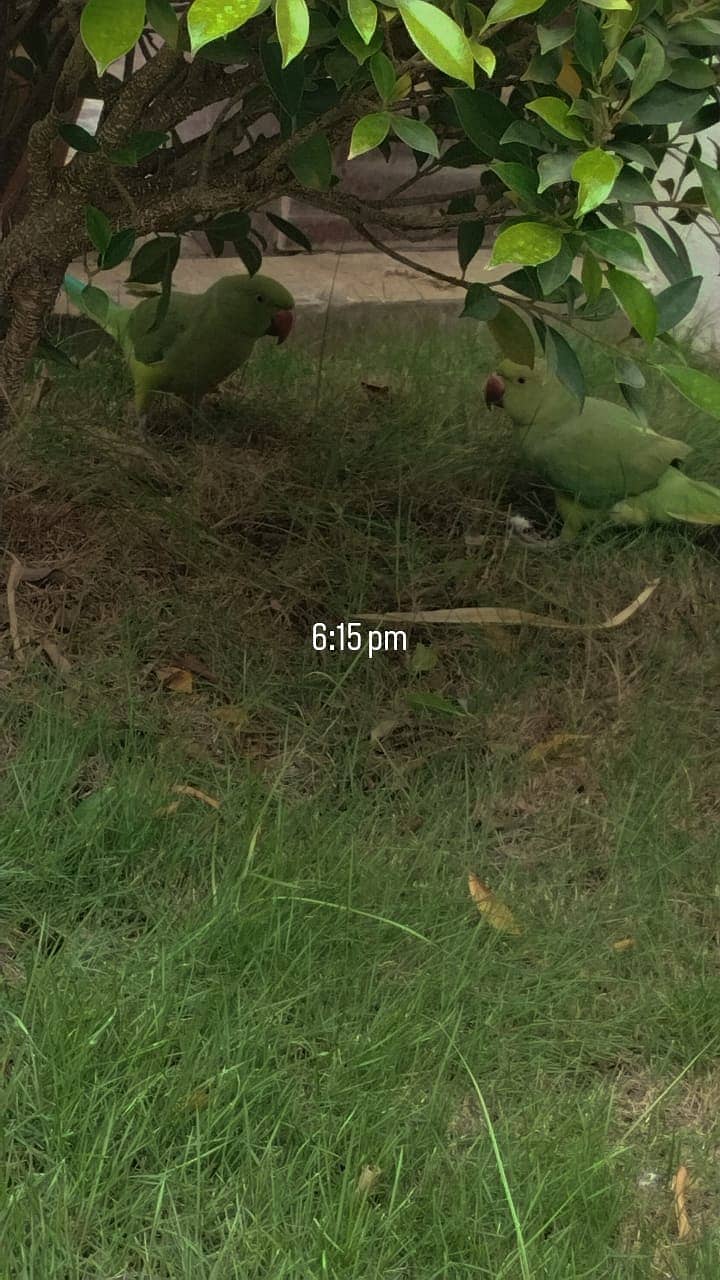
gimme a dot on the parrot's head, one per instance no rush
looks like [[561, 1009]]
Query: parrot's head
[[257, 306], [517, 389]]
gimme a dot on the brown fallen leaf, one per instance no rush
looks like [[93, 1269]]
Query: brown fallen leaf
[[623, 944], [554, 743], [197, 1100], [235, 717], [680, 1184], [56, 656], [501, 617], [494, 911], [167, 809], [379, 389], [176, 679], [180, 789], [188, 662], [384, 728], [367, 1178], [567, 78]]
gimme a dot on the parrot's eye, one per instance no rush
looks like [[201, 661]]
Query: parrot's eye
[[521, 380]]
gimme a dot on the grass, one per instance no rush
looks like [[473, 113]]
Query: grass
[[275, 1039]]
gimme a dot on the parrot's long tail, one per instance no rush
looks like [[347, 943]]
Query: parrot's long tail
[[111, 317], [675, 497]]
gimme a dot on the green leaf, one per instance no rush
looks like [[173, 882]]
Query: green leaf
[[555, 167], [627, 372], [592, 277], [669, 262], [527, 243], [691, 73], [636, 301], [111, 28], [230, 226], [710, 179], [563, 362], [96, 303], [505, 10], [552, 37], [78, 138], [155, 260], [311, 163], [589, 49], [555, 113], [47, 350], [98, 227], [230, 49], [555, 272], [470, 237], [363, 15], [699, 388], [138, 146], [635, 402], [517, 177], [528, 134], [621, 248], [368, 133], [676, 302], [699, 31], [650, 69], [163, 18], [595, 173], [634, 152], [119, 247], [667, 104], [249, 255], [480, 302], [415, 134], [209, 20], [383, 74], [512, 335], [292, 22], [484, 57], [351, 41], [434, 702], [439, 39], [632, 187], [290, 230], [485, 118], [287, 85], [609, 4]]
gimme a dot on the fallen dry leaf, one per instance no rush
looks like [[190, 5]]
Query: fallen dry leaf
[[680, 1184], [167, 809], [236, 717], [379, 389], [176, 679], [197, 1100], [188, 662], [384, 728], [494, 911], [623, 944], [567, 78], [56, 656], [484, 617], [367, 1179], [181, 789], [554, 743]]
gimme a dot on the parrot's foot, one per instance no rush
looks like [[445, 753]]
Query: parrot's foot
[[523, 530]]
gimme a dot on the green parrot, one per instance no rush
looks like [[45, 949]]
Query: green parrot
[[602, 463], [201, 339]]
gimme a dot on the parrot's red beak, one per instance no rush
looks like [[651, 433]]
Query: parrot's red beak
[[494, 391], [281, 325]]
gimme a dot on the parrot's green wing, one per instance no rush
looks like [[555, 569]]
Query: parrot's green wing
[[151, 343], [602, 454]]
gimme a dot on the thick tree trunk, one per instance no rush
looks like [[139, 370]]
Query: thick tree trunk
[[31, 297]]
